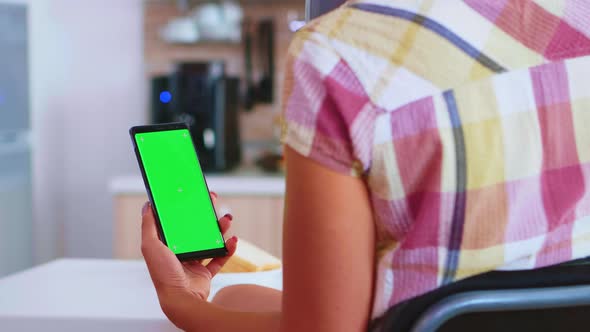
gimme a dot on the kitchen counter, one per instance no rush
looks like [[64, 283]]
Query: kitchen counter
[[241, 182]]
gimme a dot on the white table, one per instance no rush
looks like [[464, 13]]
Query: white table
[[95, 295]]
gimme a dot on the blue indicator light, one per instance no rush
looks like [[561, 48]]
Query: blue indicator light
[[165, 97]]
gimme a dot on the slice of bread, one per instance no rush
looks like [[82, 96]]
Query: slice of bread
[[250, 258]]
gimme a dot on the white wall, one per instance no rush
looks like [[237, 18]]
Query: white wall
[[87, 89]]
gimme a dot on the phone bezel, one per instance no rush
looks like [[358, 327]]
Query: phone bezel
[[203, 254]]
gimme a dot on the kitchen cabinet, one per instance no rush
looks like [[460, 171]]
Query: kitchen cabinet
[[256, 219], [256, 203]]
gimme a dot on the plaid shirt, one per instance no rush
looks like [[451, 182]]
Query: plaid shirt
[[469, 121]]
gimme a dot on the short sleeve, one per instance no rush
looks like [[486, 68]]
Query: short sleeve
[[323, 102]]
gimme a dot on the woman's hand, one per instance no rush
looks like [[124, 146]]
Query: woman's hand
[[175, 281]]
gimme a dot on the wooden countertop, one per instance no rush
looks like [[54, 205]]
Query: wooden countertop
[[250, 183]]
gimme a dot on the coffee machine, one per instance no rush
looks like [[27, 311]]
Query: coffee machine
[[202, 96], [315, 8]]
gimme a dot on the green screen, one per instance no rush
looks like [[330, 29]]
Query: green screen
[[179, 191]]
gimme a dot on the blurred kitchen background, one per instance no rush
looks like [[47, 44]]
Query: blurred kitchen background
[[75, 75]]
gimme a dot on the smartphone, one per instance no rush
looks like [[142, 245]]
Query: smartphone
[[176, 187]]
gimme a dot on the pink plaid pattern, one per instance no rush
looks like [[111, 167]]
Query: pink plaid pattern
[[488, 168]]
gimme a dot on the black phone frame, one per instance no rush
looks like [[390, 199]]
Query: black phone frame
[[195, 255]]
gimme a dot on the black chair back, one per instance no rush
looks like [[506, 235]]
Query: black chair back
[[530, 300]]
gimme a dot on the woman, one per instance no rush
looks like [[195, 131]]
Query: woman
[[394, 188]]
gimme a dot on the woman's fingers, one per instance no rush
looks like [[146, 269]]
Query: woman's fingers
[[159, 259], [213, 198], [148, 223], [151, 246], [217, 263], [225, 223]]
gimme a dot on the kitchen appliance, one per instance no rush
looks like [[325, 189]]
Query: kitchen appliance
[[202, 96], [160, 99], [266, 33], [261, 91], [16, 243]]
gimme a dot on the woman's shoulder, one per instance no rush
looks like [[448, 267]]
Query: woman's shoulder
[[373, 46]]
